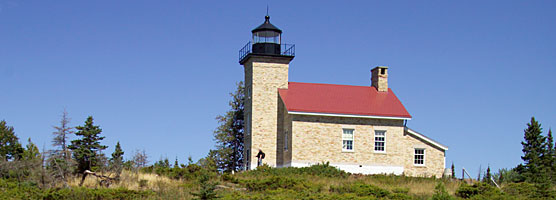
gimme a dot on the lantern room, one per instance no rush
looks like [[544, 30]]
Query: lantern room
[[266, 38]]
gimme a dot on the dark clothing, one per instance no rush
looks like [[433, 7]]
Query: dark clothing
[[260, 157]]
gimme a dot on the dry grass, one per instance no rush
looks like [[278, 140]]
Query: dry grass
[[164, 187], [129, 180]]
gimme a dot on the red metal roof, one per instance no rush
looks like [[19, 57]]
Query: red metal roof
[[342, 99]]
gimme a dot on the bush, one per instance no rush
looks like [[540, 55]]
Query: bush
[[440, 193], [229, 178], [480, 188], [207, 188], [275, 182], [360, 189], [527, 190], [323, 170], [143, 183], [11, 189]]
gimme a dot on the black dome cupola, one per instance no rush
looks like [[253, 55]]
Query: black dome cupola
[[266, 41]]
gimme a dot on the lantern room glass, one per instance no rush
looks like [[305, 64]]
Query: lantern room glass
[[266, 37]]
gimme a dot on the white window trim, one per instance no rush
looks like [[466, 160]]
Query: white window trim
[[424, 157], [352, 140], [374, 140]]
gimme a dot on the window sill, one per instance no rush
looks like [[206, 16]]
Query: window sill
[[379, 152], [416, 165], [347, 151]]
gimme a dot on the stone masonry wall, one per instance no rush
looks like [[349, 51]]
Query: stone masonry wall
[[264, 75], [318, 139]]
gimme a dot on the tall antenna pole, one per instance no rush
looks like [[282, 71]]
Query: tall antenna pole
[[266, 9]]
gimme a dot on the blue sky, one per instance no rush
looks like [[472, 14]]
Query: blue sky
[[156, 74]]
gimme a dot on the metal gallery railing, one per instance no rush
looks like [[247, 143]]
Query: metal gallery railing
[[289, 50]]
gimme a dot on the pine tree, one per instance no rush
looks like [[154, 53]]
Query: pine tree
[[32, 152], [117, 160], [453, 171], [61, 136], [10, 148], [550, 157], [229, 134], [87, 149], [207, 188], [487, 176], [176, 164], [533, 150]]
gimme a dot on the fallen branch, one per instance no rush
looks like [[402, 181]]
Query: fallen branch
[[104, 180]]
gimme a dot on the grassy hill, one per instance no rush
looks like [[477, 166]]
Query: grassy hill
[[316, 182]]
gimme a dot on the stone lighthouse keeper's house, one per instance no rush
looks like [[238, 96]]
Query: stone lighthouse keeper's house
[[359, 129]]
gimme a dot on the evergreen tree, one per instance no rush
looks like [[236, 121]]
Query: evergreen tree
[[10, 148], [453, 171], [487, 176], [533, 150], [550, 157], [176, 164], [117, 160], [87, 149], [32, 152], [229, 134], [207, 188], [61, 136]]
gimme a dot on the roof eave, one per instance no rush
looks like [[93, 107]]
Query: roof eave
[[348, 115], [425, 138]]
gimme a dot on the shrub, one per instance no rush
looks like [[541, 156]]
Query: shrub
[[360, 189], [527, 190], [440, 193], [207, 188], [143, 183], [323, 170], [480, 188], [275, 182], [229, 178]]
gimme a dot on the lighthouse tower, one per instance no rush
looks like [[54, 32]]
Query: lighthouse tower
[[266, 61]]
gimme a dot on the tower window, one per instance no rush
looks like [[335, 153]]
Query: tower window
[[382, 71], [247, 163], [286, 141]]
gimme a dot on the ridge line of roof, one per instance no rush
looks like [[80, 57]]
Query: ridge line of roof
[[330, 84]]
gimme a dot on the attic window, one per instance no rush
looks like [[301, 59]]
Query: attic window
[[382, 71]]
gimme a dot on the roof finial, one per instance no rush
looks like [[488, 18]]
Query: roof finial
[[266, 9]]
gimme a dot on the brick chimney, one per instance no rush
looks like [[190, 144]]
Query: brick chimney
[[379, 78]]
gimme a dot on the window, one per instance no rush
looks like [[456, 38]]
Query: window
[[286, 141], [247, 123], [419, 157], [347, 140], [382, 71], [380, 141], [247, 164]]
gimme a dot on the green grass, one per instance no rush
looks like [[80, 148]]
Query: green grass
[[316, 182]]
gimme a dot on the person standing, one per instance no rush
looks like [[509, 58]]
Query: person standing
[[260, 157]]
